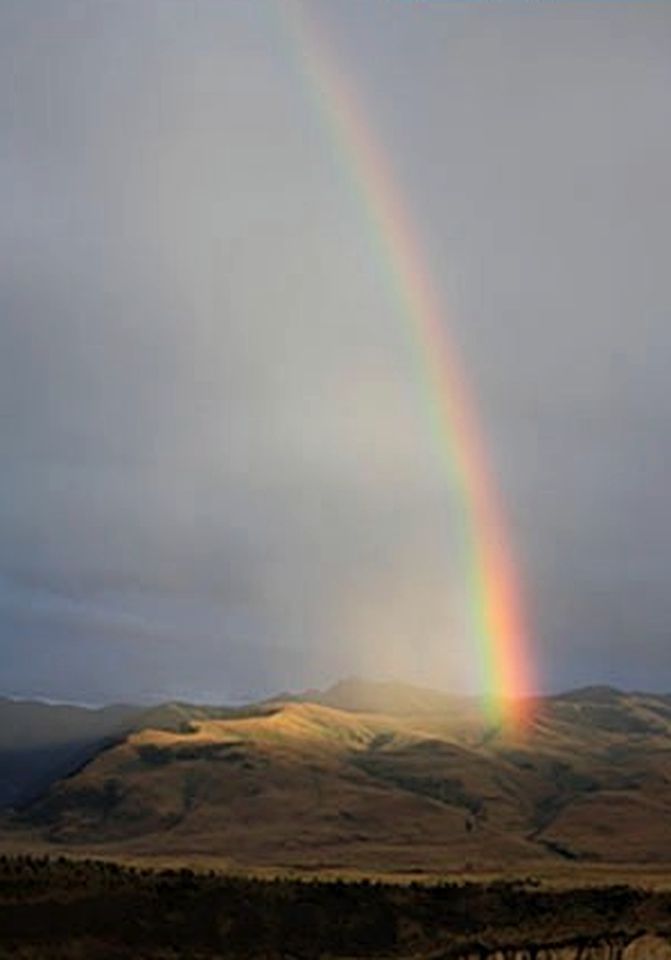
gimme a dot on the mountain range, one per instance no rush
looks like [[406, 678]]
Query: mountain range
[[372, 776]]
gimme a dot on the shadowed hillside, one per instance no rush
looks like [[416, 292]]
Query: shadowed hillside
[[42, 742]]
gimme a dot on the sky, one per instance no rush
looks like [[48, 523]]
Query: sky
[[217, 476]]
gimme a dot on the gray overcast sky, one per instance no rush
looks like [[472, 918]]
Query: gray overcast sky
[[216, 475]]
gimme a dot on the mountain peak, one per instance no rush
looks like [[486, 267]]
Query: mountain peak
[[595, 693], [381, 696]]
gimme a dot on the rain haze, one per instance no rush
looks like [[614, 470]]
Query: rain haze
[[218, 476]]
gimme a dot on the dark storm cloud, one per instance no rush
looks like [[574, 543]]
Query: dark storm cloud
[[217, 477]]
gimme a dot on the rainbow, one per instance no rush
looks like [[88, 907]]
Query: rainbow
[[496, 612]]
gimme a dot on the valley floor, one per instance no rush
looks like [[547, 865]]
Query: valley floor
[[551, 875]]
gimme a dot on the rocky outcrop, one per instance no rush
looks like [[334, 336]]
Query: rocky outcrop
[[647, 947]]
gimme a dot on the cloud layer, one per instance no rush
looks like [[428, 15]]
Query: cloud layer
[[217, 477]]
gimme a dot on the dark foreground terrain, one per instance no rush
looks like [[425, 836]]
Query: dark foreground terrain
[[92, 909]]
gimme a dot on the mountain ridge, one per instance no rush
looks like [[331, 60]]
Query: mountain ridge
[[384, 776]]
